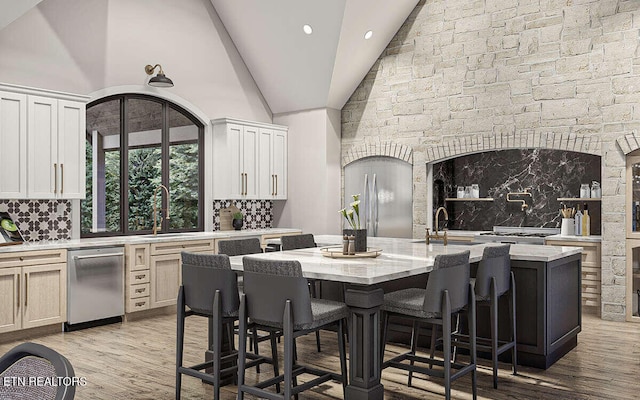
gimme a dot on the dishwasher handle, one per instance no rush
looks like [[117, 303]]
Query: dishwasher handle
[[98, 256]]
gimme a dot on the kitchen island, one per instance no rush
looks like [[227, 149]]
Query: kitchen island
[[547, 288]]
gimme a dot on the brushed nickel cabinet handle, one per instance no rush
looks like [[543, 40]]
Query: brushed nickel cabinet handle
[[18, 293], [140, 276], [26, 289], [140, 304], [276, 184], [241, 183], [140, 290], [272, 184], [55, 178], [61, 178]]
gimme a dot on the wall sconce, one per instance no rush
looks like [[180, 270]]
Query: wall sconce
[[160, 80]]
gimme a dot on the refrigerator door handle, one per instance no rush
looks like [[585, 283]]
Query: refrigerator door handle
[[374, 205], [365, 202]]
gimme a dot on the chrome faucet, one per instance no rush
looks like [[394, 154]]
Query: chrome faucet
[[436, 235], [155, 207]]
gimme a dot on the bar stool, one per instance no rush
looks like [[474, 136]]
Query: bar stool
[[493, 280], [209, 289], [277, 298], [303, 241], [448, 292]]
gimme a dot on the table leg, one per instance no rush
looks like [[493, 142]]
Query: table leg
[[364, 343]]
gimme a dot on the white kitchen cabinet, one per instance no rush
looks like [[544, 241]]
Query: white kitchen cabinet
[[13, 142], [250, 160], [56, 150], [272, 167], [235, 161], [42, 134]]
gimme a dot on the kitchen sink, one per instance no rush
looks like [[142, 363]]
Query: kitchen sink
[[449, 243]]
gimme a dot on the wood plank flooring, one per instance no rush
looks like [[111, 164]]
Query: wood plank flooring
[[136, 360]]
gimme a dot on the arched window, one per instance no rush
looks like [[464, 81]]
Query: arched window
[[135, 143]]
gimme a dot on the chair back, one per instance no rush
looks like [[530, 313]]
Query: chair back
[[239, 247], [202, 275], [35, 360], [269, 284], [293, 242], [495, 263], [450, 272]]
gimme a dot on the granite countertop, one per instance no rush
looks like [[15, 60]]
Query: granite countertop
[[560, 238], [141, 239], [399, 258]]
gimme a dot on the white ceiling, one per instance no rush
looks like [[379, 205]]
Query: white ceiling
[[12, 9], [295, 71]]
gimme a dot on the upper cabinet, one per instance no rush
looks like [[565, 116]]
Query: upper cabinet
[[250, 160], [45, 134], [273, 164]]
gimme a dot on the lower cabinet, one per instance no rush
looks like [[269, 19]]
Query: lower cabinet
[[32, 295], [154, 272]]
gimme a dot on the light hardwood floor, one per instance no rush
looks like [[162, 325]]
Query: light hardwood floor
[[136, 360]]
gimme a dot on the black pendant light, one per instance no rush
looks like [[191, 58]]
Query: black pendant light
[[160, 80]]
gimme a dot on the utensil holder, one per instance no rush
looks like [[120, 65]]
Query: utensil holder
[[567, 228]]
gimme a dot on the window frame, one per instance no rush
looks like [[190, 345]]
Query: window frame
[[165, 162]]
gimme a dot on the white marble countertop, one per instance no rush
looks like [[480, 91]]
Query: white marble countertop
[[560, 238], [399, 258], [141, 239]]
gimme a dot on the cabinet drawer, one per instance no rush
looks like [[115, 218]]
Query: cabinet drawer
[[138, 304], [33, 258], [177, 247], [141, 290], [136, 277]]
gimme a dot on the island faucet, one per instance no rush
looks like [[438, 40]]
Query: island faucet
[[155, 207], [436, 235]]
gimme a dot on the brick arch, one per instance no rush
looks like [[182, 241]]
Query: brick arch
[[389, 149], [629, 142], [489, 141]]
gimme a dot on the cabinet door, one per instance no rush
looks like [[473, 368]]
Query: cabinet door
[[235, 171], [10, 311], [279, 164], [137, 257], [42, 126], [166, 278], [13, 142], [250, 161], [45, 295], [71, 149], [266, 178]]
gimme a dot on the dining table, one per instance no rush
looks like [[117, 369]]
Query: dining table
[[389, 259]]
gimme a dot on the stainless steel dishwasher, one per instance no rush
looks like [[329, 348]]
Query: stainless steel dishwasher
[[95, 286]]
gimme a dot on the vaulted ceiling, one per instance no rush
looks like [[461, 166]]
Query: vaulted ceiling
[[296, 71], [293, 70]]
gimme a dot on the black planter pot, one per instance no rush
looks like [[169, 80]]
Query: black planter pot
[[237, 224], [360, 238]]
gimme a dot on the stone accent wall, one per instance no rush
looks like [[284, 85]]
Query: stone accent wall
[[521, 68]]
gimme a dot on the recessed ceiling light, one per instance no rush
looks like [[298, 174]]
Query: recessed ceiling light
[[307, 29], [368, 35]]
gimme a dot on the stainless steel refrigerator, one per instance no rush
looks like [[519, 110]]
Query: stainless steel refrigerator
[[385, 185]]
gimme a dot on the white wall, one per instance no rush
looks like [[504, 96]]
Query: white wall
[[314, 172], [82, 46]]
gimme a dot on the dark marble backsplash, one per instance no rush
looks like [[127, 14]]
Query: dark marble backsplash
[[550, 174]]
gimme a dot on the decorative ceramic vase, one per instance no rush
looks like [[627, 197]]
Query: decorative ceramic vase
[[237, 224], [360, 238]]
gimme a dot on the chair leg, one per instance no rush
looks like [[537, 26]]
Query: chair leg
[[446, 343], [472, 339], [254, 340], [314, 294], [512, 312], [274, 357], [343, 356], [414, 345], [287, 325], [242, 347], [432, 352], [494, 331], [217, 343], [179, 341]]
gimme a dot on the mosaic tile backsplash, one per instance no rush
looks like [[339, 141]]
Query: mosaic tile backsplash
[[258, 214], [549, 173], [40, 219]]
